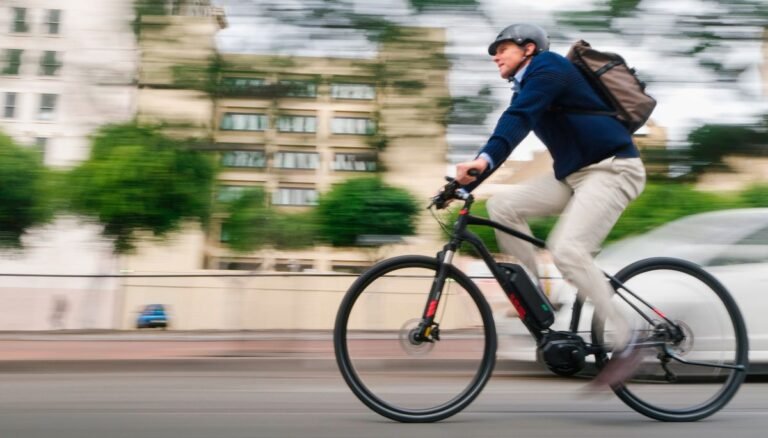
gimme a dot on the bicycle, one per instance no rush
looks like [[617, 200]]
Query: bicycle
[[415, 339]]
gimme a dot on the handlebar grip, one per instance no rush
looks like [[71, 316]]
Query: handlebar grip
[[473, 172]]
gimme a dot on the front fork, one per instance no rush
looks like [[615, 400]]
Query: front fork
[[428, 330]]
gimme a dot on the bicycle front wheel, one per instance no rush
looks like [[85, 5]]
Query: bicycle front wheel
[[403, 379], [691, 369]]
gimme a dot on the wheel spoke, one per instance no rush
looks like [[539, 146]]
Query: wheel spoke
[[699, 339], [392, 366]]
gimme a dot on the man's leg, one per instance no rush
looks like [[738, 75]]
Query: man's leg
[[601, 193], [542, 196]]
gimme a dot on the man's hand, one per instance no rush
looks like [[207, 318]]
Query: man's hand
[[462, 170]]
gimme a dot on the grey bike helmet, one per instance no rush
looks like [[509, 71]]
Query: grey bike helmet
[[521, 34]]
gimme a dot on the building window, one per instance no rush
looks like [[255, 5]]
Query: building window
[[9, 109], [353, 91], [53, 21], [47, 106], [49, 65], [349, 268], [12, 61], [353, 125], [299, 88], [243, 122], [243, 159], [19, 20], [234, 85], [355, 162], [238, 265], [285, 196], [41, 145], [230, 193], [296, 160], [296, 124], [293, 265]]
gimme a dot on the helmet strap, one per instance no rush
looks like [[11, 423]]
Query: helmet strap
[[519, 66]]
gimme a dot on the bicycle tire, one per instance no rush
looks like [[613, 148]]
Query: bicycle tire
[[396, 272], [646, 392]]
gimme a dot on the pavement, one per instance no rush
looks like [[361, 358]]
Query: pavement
[[108, 351]]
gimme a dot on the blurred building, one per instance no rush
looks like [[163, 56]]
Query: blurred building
[[296, 125], [651, 140], [66, 68], [176, 51], [765, 61]]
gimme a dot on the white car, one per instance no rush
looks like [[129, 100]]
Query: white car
[[730, 244]]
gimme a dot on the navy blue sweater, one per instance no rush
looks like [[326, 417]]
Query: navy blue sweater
[[574, 140]]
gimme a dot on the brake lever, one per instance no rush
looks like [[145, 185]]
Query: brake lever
[[452, 187]]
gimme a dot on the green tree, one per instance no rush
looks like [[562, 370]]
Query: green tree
[[709, 143], [250, 224], [423, 5], [25, 199], [755, 196], [365, 206], [138, 179], [705, 33]]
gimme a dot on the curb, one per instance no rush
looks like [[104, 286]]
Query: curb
[[239, 364]]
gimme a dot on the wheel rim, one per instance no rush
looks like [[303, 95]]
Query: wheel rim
[[712, 329], [406, 380]]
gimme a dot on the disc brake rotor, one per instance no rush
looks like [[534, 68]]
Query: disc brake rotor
[[411, 346]]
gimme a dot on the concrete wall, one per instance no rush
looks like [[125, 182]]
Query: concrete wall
[[746, 170], [225, 302], [297, 302], [31, 302]]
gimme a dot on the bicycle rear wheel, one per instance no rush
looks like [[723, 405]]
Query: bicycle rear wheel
[[405, 380], [712, 339]]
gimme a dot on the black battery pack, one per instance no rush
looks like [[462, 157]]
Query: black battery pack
[[519, 287]]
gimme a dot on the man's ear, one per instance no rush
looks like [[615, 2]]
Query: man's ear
[[530, 49]]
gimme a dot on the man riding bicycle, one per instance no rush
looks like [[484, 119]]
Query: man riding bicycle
[[597, 172]]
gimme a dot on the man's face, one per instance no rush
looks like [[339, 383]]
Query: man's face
[[508, 56]]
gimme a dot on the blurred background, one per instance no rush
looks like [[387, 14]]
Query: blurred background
[[233, 164]]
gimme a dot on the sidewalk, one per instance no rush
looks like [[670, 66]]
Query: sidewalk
[[183, 351]]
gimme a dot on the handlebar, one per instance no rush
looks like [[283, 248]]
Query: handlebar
[[452, 190]]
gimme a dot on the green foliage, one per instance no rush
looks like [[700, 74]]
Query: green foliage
[[704, 35], [422, 5], [471, 110], [409, 86], [250, 224], [622, 8], [365, 206], [755, 196], [661, 203], [150, 7], [203, 77], [139, 179], [709, 143], [487, 234], [146, 7], [25, 198]]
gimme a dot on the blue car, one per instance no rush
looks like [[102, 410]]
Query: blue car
[[152, 316]]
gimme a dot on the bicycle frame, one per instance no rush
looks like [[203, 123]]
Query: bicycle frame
[[461, 234]]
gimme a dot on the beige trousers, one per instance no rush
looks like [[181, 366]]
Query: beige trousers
[[590, 202]]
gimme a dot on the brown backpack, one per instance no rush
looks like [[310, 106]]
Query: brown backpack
[[616, 83]]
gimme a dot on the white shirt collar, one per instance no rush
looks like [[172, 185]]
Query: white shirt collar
[[519, 77]]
